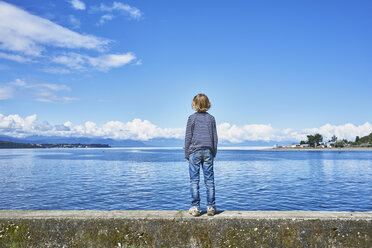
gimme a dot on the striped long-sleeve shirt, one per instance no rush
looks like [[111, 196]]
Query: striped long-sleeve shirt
[[201, 133]]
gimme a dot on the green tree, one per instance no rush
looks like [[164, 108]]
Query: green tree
[[311, 140], [356, 138], [340, 143], [334, 138], [318, 138]]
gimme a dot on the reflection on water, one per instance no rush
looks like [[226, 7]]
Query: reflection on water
[[157, 179]]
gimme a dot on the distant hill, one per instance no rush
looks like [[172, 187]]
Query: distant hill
[[9, 145], [364, 140], [15, 145], [156, 142], [164, 142], [36, 139], [258, 143]]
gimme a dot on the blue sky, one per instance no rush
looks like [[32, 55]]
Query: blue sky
[[267, 66]]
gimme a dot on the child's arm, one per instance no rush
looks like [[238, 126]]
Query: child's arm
[[188, 137], [215, 137]]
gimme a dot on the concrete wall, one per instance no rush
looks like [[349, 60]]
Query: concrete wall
[[178, 229]]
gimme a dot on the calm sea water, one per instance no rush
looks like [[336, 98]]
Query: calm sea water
[[157, 179]]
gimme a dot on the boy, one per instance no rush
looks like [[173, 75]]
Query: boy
[[200, 150]]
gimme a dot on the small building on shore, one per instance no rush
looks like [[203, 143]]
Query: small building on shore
[[329, 144]]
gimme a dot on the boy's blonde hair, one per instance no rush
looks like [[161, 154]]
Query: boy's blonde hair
[[201, 103]]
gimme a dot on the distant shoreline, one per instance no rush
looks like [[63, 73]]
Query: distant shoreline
[[16, 145], [320, 149]]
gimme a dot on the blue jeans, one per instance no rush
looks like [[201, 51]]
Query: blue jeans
[[202, 158]]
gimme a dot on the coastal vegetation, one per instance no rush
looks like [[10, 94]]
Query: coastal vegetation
[[15, 145], [316, 141], [313, 140], [365, 141]]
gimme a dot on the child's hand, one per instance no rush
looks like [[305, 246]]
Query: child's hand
[[187, 160]]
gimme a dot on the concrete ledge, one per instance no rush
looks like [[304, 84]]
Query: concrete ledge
[[25, 228]]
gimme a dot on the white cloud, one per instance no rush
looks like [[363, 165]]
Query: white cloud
[[77, 4], [18, 82], [56, 70], [265, 132], [45, 92], [235, 134], [46, 96], [254, 132], [74, 22], [42, 92], [16, 126], [23, 32], [105, 18], [6, 92], [119, 7], [25, 36], [54, 87], [103, 62], [108, 61], [15, 123], [138, 62], [14, 57], [347, 131], [137, 129], [71, 60]]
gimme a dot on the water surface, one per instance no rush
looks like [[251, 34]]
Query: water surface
[[157, 179]]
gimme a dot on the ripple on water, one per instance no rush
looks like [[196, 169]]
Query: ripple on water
[[158, 179]]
